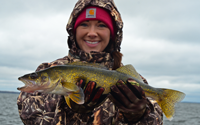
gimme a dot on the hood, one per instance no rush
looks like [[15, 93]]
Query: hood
[[106, 4], [115, 44]]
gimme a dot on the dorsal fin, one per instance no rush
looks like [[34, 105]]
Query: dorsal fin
[[95, 65], [129, 70]]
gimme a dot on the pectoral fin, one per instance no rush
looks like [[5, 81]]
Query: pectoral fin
[[77, 97], [67, 99]]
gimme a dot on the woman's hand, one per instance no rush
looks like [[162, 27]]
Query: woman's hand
[[130, 99], [93, 96]]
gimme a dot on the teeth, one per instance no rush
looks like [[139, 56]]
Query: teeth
[[91, 42]]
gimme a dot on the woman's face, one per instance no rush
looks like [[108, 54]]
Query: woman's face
[[92, 35]]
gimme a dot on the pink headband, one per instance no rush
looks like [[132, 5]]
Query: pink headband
[[95, 13]]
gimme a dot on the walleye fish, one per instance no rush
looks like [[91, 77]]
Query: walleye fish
[[62, 80]]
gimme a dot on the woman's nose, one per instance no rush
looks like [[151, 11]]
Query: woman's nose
[[92, 32]]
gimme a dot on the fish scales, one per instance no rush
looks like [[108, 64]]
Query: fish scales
[[102, 77]]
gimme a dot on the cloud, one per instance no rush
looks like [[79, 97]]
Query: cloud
[[161, 39], [29, 38], [162, 19], [41, 8], [9, 77], [160, 52]]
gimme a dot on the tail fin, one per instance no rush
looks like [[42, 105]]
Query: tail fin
[[168, 100]]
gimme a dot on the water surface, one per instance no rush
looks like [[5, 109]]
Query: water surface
[[186, 113]]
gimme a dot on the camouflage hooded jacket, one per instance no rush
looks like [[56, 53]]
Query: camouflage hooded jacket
[[51, 109]]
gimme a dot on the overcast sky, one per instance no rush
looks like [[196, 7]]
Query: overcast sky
[[161, 40]]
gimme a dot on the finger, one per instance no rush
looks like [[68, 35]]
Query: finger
[[81, 83], [139, 103], [96, 98], [137, 90], [140, 90], [119, 96], [98, 94], [89, 90], [116, 102], [128, 93], [139, 106]]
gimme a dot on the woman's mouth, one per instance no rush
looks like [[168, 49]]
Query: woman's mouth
[[92, 44]]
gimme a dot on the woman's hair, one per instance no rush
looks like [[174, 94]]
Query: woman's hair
[[117, 56]]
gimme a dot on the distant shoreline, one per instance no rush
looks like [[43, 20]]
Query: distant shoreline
[[191, 102], [11, 92]]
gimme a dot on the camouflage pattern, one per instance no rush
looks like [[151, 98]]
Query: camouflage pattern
[[51, 109]]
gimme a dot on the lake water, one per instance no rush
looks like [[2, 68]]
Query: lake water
[[186, 113], [8, 110]]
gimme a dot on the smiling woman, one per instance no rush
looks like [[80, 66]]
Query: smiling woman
[[92, 35], [95, 35], [93, 29]]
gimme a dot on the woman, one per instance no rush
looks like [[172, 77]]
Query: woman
[[95, 35]]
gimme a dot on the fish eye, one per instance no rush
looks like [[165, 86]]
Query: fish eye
[[33, 76], [43, 77]]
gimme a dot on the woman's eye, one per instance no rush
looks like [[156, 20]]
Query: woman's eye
[[102, 25], [83, 24]]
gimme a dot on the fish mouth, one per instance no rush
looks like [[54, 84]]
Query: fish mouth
[[31, 86], [27, 82]]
